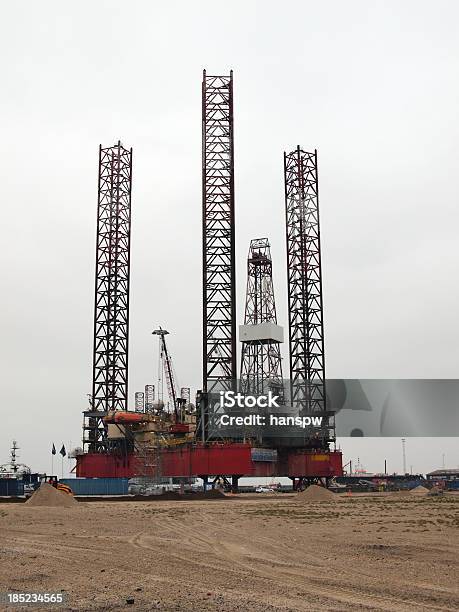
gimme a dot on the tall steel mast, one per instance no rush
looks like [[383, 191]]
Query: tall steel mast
[[111, 309], [304, 270], [218, 241]]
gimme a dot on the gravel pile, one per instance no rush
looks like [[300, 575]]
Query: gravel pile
[[316, 493], [419, 490], [47, 495]]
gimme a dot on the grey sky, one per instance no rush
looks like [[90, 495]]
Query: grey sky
[[372, 85]]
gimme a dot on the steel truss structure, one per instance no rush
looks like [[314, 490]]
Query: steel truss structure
[[111, 312], [139, 401], [306, 330], [149, 397], [185, 394], [218, 244], [261, 363]]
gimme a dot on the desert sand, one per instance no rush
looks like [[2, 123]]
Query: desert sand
[[264, 553]]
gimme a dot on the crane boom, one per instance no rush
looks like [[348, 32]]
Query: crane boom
[[167, 361]]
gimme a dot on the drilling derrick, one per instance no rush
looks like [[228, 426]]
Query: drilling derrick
[[306, 331], [111, 312], [261, 364], [218, 252]]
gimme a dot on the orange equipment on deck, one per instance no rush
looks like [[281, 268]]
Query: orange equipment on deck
[[123, 416]]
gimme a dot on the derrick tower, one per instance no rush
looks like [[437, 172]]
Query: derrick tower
[[261, 363]]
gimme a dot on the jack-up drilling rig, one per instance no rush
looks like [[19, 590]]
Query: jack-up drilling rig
[[188, 448]]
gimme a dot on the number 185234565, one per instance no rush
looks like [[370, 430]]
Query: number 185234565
[[15, 598]]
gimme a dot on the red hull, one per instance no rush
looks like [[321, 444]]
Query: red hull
[[214, 460]]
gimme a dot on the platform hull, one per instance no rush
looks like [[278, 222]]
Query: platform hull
[[214, 460]]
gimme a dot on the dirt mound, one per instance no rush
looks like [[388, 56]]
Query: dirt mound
[[419, 490], [211, 494], [47, 495], [316, 493]]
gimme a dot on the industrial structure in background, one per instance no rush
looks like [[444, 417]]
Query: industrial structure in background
[[261, 337], [16, 478], [13, 468], [177, 442]]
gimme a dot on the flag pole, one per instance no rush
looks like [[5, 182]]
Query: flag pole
[[53, 452], [63, 453]]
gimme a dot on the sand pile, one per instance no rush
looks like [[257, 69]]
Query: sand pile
[[419, 490], [316, 493], [47, 495]]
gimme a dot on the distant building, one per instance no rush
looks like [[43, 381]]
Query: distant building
[[443, 475]]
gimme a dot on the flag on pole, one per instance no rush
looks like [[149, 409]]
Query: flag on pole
[[63, 451], [53, 450]]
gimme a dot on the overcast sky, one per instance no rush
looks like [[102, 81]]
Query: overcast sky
[[372, 85]]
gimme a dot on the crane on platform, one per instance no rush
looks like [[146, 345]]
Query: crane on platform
[[168, 369]]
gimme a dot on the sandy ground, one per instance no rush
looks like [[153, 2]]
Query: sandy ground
[[264, 553]]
